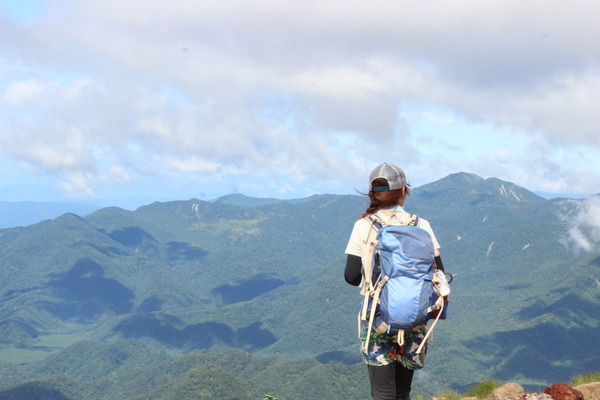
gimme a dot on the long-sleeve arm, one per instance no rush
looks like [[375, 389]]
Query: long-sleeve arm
[[353, 271], [439, 264]]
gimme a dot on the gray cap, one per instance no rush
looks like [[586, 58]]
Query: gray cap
[[391, 173]]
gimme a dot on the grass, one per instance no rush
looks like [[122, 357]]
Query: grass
[[585, 378], [483, 389]]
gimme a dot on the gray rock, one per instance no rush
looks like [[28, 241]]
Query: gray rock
[[590, 390], [509, 390]]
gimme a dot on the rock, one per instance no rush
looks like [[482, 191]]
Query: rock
[[589, 390], [508, 390], [562, 391], [536, 396]]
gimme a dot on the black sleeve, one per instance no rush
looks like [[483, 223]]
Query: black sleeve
[[439, 264], [353, 271]]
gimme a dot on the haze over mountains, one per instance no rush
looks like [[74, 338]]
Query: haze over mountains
[[23, 213], [264, 277]]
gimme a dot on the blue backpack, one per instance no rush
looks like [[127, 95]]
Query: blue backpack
[[400, 294]]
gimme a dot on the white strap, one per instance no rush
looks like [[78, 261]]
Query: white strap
[[365, 306], [359, 319], [401, 337], [374, 304], [368, 269], [441, 308]]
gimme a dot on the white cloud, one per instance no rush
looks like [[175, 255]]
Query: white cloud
[[562, 107], [192, 165], [20, 92], [119, 175], [503, 155], [583, 217], [118, 89], [77, 184]]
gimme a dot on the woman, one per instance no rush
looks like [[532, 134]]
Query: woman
[[391, 366]]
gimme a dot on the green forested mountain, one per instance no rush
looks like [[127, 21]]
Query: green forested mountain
[[175, 298]]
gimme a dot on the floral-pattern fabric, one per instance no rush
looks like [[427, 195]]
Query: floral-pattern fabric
[[384, 348]]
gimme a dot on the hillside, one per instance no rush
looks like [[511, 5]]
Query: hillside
[[265, 277]]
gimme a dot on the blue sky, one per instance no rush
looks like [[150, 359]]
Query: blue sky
[[129, 102]]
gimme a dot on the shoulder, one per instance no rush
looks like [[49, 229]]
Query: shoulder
[[363, 229], [424, 224], [362, 224], [359, 237]]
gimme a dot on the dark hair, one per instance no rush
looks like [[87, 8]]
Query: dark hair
[[379, 200]]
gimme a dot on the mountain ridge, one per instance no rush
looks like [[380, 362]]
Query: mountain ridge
[[458, 183], [23, 213]]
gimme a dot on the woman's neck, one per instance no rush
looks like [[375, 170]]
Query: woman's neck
[[397, 207]]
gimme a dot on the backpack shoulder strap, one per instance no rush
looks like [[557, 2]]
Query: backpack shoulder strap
[[414, 220], [376, 221], [372, 241]]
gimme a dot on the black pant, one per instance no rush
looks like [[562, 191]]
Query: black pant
[[390, 382]]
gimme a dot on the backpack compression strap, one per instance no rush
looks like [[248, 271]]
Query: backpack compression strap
[[437, 306]]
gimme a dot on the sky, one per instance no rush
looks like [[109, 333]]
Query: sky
[[126, 102]]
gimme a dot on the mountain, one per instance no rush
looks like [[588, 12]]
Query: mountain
[[237, 199], [23, 213], [50, 388], [231, 375], [138, 289]]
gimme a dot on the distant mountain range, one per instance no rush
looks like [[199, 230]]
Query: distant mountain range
[[190, 283], [23, 213]]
